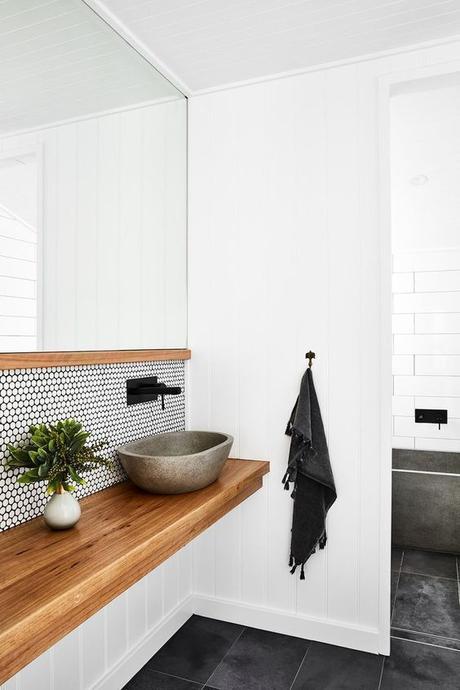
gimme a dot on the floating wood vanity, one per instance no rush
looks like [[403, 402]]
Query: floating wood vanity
[[51, 582]]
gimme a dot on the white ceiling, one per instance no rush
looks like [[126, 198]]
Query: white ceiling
[[209, 43], [58, 60]]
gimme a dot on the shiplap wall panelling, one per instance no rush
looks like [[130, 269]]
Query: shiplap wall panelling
[[129, 275], [114, 229], [107, 289], [303, 212], [285, 150], [86, 248], [65, 237], [344, 317]]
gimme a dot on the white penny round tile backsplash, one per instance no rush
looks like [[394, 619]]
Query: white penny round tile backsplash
[[95, 395]]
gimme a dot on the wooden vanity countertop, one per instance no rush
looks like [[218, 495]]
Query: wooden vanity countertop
[[51, 582]]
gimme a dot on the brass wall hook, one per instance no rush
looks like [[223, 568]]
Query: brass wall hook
[[310, 356]]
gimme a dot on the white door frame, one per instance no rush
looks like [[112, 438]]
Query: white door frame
[[385, 86]]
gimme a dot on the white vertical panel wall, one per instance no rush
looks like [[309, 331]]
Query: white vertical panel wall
[[114, 219], [284, 257]]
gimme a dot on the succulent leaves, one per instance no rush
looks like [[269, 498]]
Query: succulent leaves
[[58, 454]]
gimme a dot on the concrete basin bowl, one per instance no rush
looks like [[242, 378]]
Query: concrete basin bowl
[[176, 462]]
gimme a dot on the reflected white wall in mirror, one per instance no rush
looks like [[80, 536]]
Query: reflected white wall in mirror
[[92, 187]]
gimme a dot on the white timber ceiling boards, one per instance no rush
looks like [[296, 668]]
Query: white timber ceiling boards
[[210, 43], [59, 60]]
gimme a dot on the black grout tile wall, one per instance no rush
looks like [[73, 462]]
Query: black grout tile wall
[[95, 395]]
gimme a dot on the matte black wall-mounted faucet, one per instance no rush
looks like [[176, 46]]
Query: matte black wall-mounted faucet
[[145, 389]]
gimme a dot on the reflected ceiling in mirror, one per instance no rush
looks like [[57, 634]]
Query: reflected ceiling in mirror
[[92, 187], [60, 61]]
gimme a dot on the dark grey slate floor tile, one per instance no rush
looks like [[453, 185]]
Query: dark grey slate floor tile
[[147, 679], [435, 640], [415, 666], [260, 660], [429, 563], [336, 668], [396, 556], [196, 649], [427, 604]]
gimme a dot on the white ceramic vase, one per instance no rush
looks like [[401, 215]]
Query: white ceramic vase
[[62, 511]]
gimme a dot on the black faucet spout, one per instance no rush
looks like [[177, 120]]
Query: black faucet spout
[[148, 388]]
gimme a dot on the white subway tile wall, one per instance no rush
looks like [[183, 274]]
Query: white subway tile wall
[[435, 365], [403, 365], [426, 348], [403, 405], [427, 385], [426, 302], [403, 282], [434, 281], [403, 323], [437, 444], [433, 323], [433, 344], [447, 260], [404, 442]]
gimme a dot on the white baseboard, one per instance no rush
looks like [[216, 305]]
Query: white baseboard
[[332, 632], [136, 657]]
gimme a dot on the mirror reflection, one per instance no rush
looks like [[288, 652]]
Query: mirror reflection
[[92, 187]]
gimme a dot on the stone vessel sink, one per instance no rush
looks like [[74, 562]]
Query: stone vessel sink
[[176, 462]]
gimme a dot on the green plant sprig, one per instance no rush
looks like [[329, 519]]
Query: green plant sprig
[[57, 454]]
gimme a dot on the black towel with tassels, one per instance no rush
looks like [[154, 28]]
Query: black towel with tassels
[[309, 469]]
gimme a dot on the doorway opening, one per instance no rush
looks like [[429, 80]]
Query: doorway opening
[[425, 246]]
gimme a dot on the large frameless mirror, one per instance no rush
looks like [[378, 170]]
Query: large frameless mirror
[[92, 187]]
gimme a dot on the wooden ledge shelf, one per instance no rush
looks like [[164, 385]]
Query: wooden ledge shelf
[[51, 582], [31, 360]]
